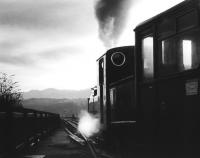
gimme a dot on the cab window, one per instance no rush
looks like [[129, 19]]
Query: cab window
[[101, 72]]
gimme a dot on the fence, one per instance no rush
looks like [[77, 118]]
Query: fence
[[21, 127]]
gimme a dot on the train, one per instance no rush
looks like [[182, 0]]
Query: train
[[149, 94]]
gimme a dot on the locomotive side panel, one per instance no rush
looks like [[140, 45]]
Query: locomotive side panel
[[121, 102]]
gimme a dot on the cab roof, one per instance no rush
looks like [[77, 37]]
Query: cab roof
[[113, 49]]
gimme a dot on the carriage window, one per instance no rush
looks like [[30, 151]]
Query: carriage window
[[180, 53], [187, 54], [188, 48], [147, 53], [168, 56]]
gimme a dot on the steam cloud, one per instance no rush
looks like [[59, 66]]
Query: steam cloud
[[88, 124], [112, 16]]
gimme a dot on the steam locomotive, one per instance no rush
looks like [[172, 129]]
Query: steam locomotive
[[112, 98], [150, 92]]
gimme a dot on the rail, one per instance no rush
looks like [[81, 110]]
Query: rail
[[22, 127], [71, 127]]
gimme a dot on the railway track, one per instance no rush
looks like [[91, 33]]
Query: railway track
[[71, 127]]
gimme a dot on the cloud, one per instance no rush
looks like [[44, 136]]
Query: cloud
[[31, 59], [58, 53], [35, 30], [17, 60], [7, 45], [46, 42], [44, 15]]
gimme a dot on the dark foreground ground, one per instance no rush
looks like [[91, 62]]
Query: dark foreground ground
[[57, 145], [60, 145]]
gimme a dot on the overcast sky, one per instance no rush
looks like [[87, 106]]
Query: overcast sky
[[55, 43]]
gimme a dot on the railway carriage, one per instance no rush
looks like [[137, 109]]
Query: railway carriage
[[167, 79]]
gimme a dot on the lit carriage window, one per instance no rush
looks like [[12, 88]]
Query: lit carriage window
[[189, 48], [179, 53], [147, 52], [187, 54], [175, 59], [163, 52]]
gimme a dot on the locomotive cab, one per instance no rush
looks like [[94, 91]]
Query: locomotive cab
[[116, 91], [167, 68]]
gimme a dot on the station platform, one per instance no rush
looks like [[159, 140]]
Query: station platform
[[57, 145]]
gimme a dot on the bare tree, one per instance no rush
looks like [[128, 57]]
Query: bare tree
[[10, 94]]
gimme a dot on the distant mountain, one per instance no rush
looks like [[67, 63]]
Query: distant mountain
[[55, 93], [64, 107]]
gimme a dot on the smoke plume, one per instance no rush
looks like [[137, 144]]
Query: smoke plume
[[112, 16], [88, 124]]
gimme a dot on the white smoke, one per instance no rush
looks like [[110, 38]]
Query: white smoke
[[88, 124], [106, 33]]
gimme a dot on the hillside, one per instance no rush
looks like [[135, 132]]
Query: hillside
[[64, 107]]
